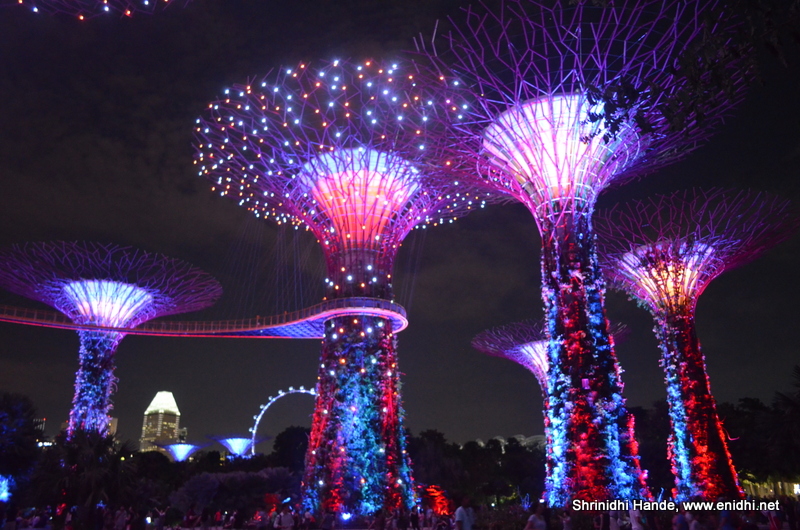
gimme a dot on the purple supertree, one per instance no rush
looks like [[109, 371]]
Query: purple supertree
[[86, 9], [105, 288], [663, 252], [526, 344], [567, 100], [342, 148]]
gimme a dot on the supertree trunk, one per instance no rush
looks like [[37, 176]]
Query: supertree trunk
[[697, 449], [356, 461], [94, 382], [592, 454]]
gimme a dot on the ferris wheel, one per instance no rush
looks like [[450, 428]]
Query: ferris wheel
[[271, 401]]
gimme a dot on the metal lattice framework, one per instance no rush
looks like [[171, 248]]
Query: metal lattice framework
[[345, 150], [108, 286], [666, 249], [663, 252], [526, 344], [86, 9], [271, 401], [570, 99], [561, 102]]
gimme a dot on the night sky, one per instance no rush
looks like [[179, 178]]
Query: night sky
[[95, 144]]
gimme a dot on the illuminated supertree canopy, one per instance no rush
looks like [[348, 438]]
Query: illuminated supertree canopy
[[343, 149], [180, 452], [525, 343], [663, 252], [86, 9], [109, 287], [237, 446], [565, 101]]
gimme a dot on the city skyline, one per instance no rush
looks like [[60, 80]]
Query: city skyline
[[93, 168]]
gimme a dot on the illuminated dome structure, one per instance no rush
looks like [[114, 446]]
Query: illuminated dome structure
[[110, 287], [563, 101], [180, 452], [86, 9], [238, 446], [342, 148], [664, 252]]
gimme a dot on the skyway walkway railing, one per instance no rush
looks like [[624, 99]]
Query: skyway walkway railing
[[305, 323]]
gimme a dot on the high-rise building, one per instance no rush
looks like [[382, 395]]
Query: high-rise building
[[161, 424]]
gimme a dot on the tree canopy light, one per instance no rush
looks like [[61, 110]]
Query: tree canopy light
[[561, 101], [664, 252], [343, 149], [107, 288]]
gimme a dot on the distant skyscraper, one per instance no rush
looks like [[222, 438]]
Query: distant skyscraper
[[161, 422]]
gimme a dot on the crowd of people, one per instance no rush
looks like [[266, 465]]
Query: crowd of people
[[465, 517]]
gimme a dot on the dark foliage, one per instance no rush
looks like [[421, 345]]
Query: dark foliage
[[18, 435], [493, 472]]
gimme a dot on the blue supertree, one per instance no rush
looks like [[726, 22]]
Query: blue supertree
[[663, 252], [105, 288]]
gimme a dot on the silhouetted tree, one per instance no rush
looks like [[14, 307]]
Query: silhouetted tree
[[435, 461], [652, 433], [82, 472], [18, 448], [786, 428], [289, 449], [523, 468]]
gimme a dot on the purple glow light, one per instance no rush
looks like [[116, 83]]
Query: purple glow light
[[567, 98], [360, 190], [103, 285], [533, 356], [343, 148], [554, 151], [663, 252], [105, 303], [666, 274]]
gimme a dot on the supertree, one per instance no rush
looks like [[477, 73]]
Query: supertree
[[663, 252], [181, 451], [342, 148], [563, 102], [86, 9], [106, 288], [238, 446], [526, 344]]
